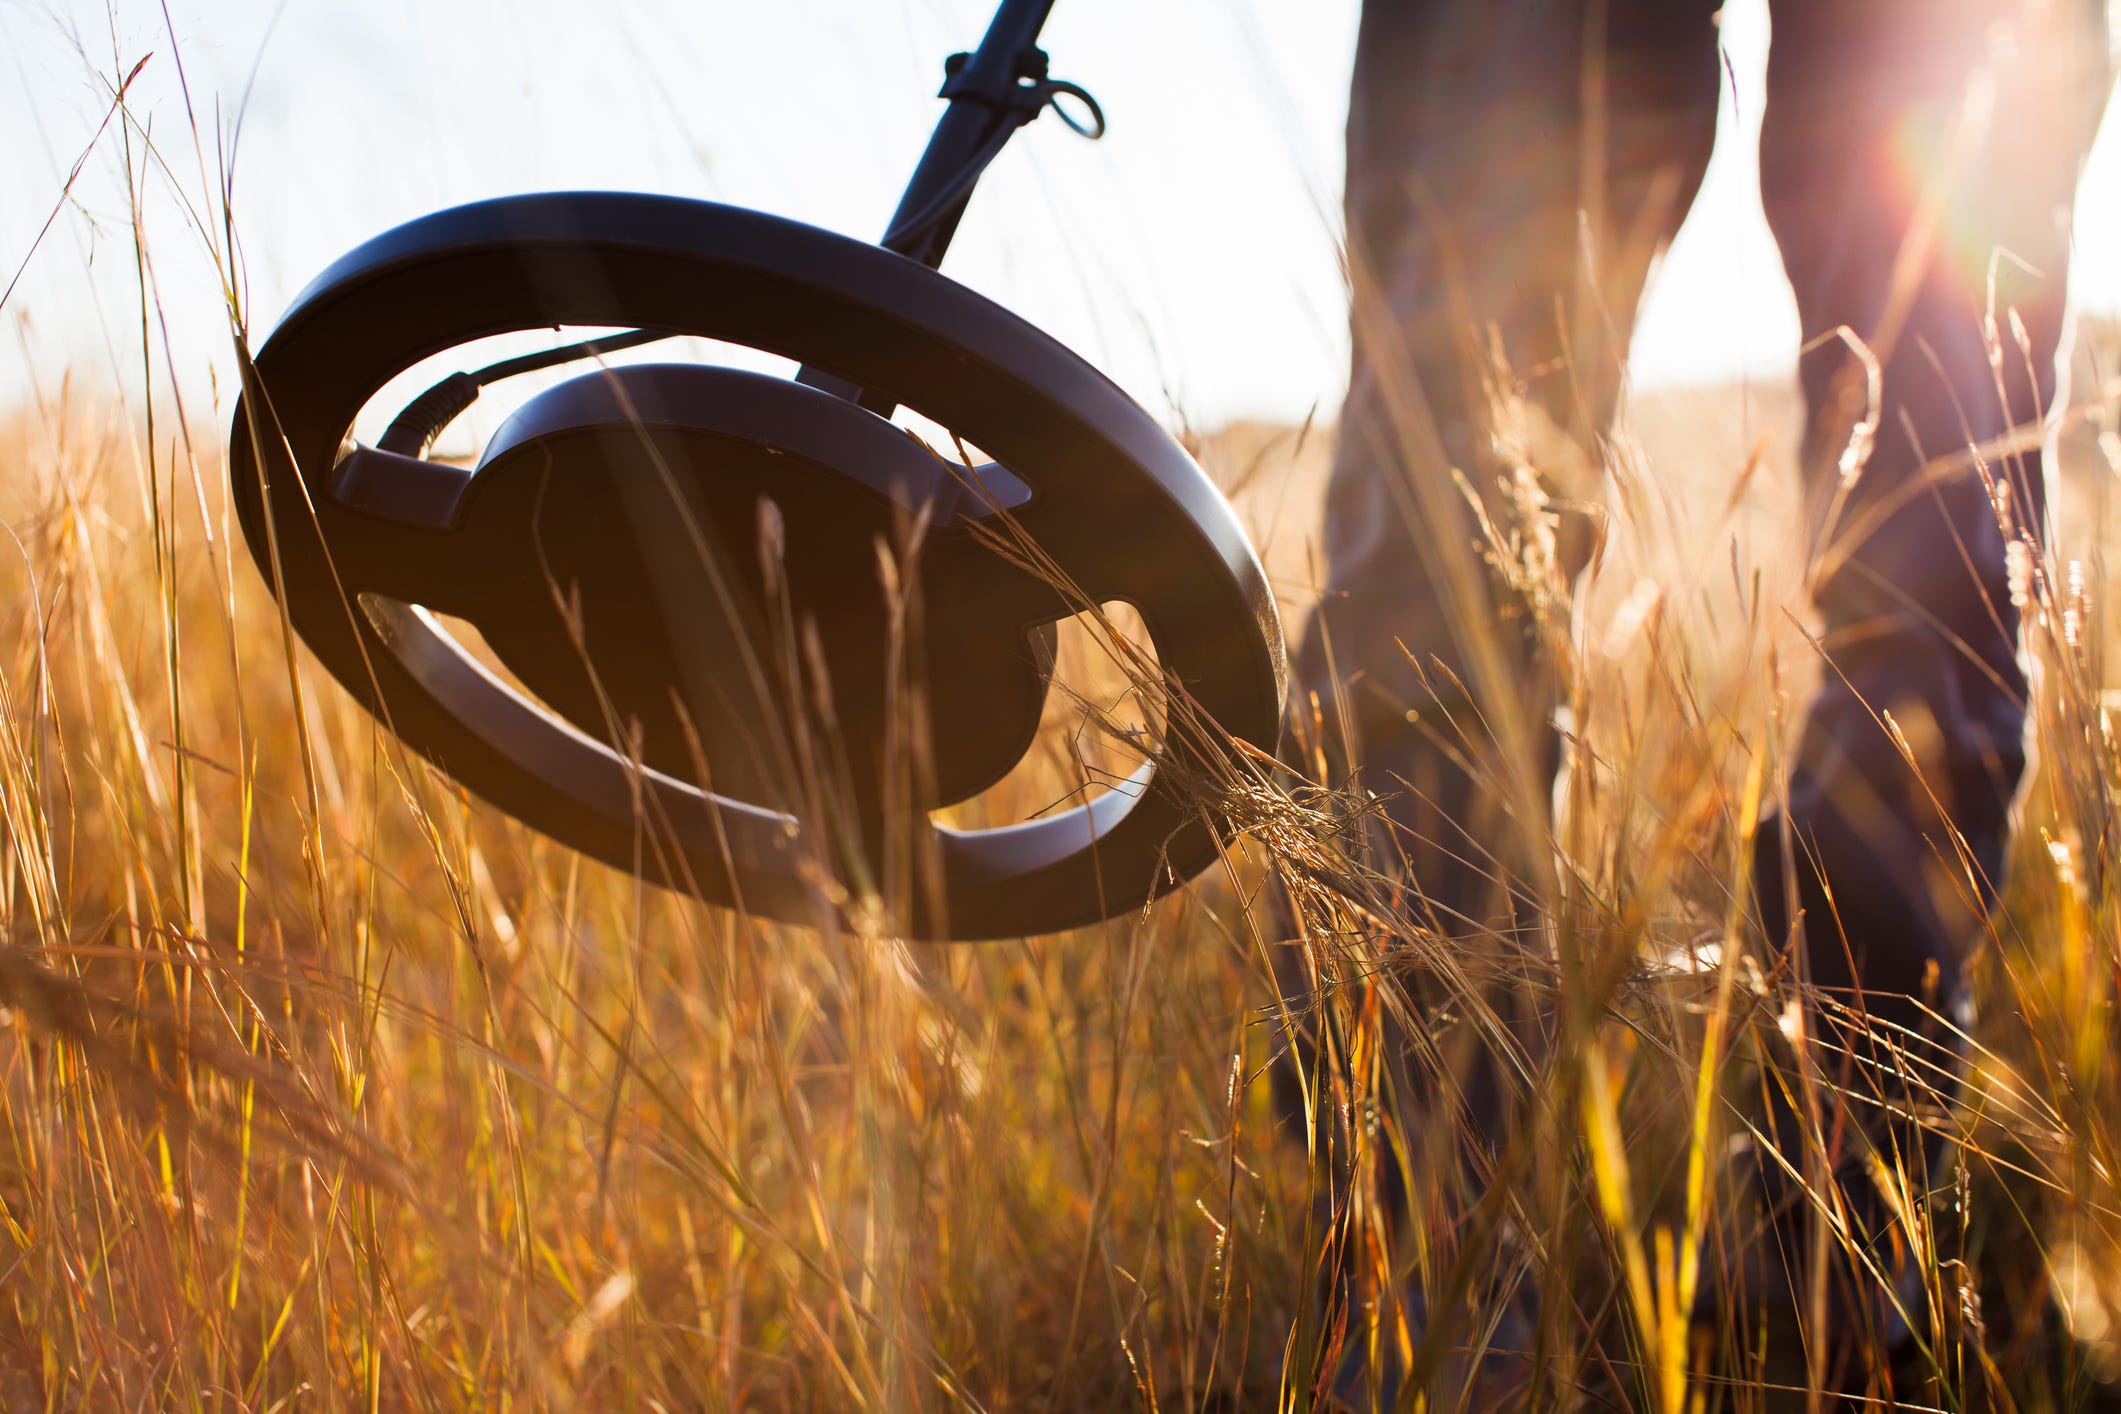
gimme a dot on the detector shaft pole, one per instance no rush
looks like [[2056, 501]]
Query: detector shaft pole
[[981, 97], [981, 87]]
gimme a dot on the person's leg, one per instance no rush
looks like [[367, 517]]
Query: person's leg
[[1499, 153], [1479, 203], [1901, 198], [1513, 167], [1918, 162], [1936, 236]]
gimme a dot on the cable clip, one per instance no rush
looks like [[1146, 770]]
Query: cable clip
[[1031, 93]]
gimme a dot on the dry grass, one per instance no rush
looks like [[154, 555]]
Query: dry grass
[[365, 1103], [321, 1085]]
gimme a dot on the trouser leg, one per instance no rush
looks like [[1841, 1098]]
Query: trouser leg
[[1918, 162], [1513, 166], [1475, 185], [1940, 235]]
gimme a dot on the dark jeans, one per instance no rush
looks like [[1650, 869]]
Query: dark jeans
[[1514, 166]]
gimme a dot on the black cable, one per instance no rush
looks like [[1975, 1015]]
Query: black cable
[[1028, 101], [414, 430], [1091, 125], [907, 232], [568, 353]]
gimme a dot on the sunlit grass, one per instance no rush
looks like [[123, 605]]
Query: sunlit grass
[[317, 1091], [322, 1085]]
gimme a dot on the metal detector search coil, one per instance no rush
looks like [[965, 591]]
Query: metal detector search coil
[[640, 544]]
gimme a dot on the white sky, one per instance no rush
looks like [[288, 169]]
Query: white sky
[[1190, 254]]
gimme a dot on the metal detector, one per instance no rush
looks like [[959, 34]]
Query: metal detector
[[678, 563]]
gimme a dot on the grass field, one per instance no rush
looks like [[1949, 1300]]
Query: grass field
[[326, 1087], [323, 1086]]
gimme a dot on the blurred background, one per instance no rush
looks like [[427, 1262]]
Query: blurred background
[[1191, 254]]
